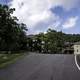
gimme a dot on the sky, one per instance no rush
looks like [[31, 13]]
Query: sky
[[40, 15]]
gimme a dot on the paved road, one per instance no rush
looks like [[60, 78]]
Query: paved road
[[42, 67]]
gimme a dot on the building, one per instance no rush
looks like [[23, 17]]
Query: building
[[77, 48], [68, 48]]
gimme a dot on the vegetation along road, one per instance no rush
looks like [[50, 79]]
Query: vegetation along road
[[42, 67]]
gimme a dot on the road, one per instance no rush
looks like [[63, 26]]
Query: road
[[42, 67]]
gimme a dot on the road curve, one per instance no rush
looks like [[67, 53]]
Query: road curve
[[42, 67]]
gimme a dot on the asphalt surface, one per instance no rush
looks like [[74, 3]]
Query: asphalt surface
[[42, 67]]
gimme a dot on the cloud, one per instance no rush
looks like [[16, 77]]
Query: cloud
[[70, 23], [33, 12]]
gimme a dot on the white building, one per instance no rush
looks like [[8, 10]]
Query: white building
[[77, 48]]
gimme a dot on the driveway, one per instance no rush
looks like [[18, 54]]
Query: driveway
[[42, 67]]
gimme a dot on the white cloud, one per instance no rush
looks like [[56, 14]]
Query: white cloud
[[32, 12], [55, 25], [71, 22]]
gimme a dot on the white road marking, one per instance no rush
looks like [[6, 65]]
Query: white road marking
[[76, 62]]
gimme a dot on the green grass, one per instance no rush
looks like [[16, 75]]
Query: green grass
[[6, 59]]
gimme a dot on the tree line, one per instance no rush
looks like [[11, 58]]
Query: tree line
[[53, 41]]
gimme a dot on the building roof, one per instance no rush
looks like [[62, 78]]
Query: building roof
[[77, 43]]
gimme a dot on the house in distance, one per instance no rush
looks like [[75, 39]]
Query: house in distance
[[77, 48]]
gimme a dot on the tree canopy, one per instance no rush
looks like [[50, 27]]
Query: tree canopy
[[12, 33], [54, 41]]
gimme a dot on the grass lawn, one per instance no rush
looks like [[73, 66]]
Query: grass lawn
[[6, 59]]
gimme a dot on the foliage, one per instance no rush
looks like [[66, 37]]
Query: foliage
[[12, 34], [54, 42]]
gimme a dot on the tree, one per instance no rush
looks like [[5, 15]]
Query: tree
[[12, 34], [54, 42]]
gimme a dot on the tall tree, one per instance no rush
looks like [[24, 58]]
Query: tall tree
[[12, 34]]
